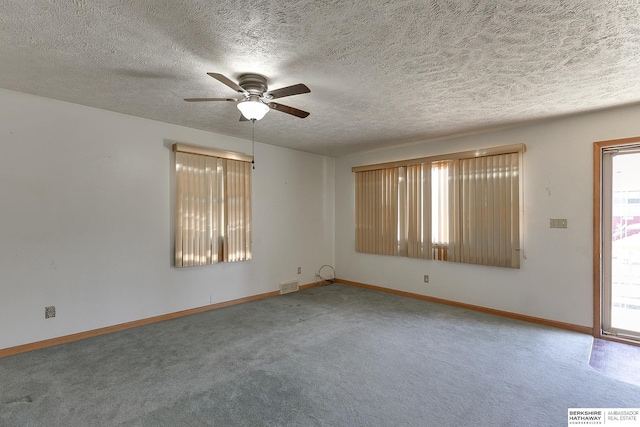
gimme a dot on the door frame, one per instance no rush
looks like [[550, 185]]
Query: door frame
[[598, 149]]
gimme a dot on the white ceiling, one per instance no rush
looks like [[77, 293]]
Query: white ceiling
[[380, 72]]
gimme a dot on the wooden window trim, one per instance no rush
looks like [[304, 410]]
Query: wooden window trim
[[211, 152], [505, 149]]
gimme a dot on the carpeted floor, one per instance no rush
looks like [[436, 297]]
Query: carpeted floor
[[326, 356]]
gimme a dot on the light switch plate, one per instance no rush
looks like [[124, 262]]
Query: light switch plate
[[558, 223]]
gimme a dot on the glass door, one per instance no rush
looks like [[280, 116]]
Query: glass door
[[621, 242]]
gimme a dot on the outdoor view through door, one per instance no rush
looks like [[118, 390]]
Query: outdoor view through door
[[621, 242]]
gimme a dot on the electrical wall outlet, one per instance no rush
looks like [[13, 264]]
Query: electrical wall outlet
[[50, 311], [426, 278], [299, 270]]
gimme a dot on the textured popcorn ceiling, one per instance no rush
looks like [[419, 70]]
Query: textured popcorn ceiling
[[380, 72]]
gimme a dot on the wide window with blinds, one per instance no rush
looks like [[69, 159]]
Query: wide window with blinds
[[461, 207], [213, 206]]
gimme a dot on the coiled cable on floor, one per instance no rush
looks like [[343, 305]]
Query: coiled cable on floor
[[325, 275]]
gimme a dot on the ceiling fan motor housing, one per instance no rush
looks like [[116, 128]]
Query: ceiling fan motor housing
[[253, 83]]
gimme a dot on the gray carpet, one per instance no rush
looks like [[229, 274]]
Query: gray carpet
[[326, 356]]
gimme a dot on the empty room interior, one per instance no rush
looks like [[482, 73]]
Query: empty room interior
[[319, 212]]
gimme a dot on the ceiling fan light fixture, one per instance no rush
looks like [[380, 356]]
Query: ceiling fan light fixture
[[256, 100], [253, 108]]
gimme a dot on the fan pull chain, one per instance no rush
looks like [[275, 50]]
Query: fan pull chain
[[253, 143]]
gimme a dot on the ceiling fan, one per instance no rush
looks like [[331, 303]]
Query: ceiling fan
[[256, 98]]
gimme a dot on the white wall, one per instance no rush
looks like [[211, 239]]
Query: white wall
[[555, 280], [86, 222]]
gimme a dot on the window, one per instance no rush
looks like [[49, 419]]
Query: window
[[440, 210], [463, 207], [213, 206]]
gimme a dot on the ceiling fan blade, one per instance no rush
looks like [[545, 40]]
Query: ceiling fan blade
[[287, 91], [288, 110], [210, 99], [227, 81]]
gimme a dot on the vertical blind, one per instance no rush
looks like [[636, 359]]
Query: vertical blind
[[489, 204], [411, 245], [377, 211], [463, 209], [213, 209]]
